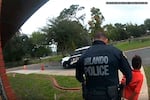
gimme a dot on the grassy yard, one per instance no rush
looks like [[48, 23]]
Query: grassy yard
[[147, 73], [40, 87], [132, 44]]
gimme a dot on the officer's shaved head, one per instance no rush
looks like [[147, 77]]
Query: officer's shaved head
[[101, 36]]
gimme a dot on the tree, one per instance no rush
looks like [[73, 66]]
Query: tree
[[147, 24], [142, 29], [17, 48], [39, 42], [116, 32], [66, 33], [121, 31], [110, 31], [71, 13], [38, 38], [135, 30], [96, 20], [67, 30]]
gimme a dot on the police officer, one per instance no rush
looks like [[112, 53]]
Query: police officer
[[97, 70]]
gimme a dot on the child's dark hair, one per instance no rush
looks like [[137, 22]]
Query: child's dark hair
[[136, 62]]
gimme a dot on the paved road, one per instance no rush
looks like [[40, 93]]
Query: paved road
[[144, 53]]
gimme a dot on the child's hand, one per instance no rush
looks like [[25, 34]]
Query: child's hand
[[123, 81]]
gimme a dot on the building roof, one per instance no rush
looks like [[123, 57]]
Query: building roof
[[14, 13]]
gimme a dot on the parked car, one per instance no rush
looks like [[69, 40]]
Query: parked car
[[65, 62], [70, 61]]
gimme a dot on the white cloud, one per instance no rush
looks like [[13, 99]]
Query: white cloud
[[112, 13]]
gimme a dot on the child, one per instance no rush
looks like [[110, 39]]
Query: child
[[132, 90]]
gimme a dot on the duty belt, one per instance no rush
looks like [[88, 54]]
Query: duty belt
[[98, 91]]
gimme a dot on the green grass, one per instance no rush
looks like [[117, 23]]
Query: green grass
[[68, 81], [133, 44], [55, 58], [147, 73], [40, 87]]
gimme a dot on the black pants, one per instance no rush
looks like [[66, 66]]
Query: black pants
[[110, 93], [92, 96]]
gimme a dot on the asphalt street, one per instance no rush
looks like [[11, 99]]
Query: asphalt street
[[144, 53]]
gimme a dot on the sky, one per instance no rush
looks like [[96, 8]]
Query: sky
[[113, 13]]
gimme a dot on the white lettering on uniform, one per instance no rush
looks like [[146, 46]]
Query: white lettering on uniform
[[96, 66], [105, 60], [101, 70], [96, 60], [87, 61]]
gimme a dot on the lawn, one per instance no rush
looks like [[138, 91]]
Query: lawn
[[40, 87], [147, 73], [132, 44]]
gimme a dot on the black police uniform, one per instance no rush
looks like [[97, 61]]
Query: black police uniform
[[98, 67]]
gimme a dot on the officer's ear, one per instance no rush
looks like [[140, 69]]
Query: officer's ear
[[106, 40]]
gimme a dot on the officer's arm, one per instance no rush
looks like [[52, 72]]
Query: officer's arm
[[125, 68], [79, 71]]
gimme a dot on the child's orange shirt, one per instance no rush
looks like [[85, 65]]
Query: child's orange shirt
[[135, 85]]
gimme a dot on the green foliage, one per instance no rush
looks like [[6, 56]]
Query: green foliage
[[116, 32], [96, 20], [38, 38], [71, 13], [17, 48], [21, 46], [120, 31], [67, 30], [147, 24], [40, 43], [41, 51], [135, 30], [69, 34]]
